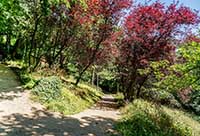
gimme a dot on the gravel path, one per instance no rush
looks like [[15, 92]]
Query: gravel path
[[19, 116]]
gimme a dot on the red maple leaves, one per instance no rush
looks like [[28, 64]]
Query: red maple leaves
[[150, 31]]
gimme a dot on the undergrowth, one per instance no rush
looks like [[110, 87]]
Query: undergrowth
[[142, 118], [24, 77], [65, 97], [8, 80], [119, 97]]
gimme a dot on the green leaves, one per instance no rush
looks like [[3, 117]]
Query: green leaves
[[185, 73], [194, 102], [142, 118], [68, 2], [190, 51], [13, 16], [48, 88]]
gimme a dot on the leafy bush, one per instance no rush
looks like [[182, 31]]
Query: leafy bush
[[48, 89], [21, 71], [66, 99], [183, 77], [190, 98], [68, 103], [26, 79], [142, 118], [108, 80], [194, 102], [161, 97]]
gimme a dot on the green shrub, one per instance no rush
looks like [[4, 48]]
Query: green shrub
[[65, 98], [108, 80], [142, 118], [68, 103], [21, 71], [161, 97], [194, 102], [26, 79], [48, 89]]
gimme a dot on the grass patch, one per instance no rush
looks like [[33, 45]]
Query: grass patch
[[20, 70], [119, 97], [65, 97], [191, 120], [142, 118], [8, 79]]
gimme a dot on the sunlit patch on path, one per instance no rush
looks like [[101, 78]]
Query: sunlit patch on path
[[19, 116]]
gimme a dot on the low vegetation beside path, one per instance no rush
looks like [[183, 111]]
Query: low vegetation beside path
[[143, 118], [65, 98], [74, 55], [7, 79], [56, 92]]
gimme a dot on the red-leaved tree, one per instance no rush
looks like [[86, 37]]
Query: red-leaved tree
[[150, 33], [98, 22]]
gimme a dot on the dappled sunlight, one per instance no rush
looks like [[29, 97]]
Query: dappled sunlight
[[9, 85], [8, 80], [83, 67], [45, 123]]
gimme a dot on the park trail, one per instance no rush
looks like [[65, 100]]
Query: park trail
[[19, 116]]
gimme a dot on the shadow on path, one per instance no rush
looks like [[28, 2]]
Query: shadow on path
[[44, 123], [20, 117], [9, 84]]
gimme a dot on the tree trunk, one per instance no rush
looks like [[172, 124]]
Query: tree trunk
[[16, 46], [131, 87], [8, 39], [93, 77], [81, 74], [143, 80], [97, 80]]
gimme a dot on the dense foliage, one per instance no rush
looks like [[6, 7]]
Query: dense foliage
[[142, 118], [145, 51], [78, 35], [48, 89], [150, 34], [66, 99], [194, 102], [182, 78]]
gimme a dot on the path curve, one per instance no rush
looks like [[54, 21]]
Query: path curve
[[19, 116]]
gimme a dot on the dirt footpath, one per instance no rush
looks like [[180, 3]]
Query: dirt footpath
[[19, 116]]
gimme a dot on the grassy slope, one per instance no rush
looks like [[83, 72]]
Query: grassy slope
[[191, 120], [73, 99], [142, 118]]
